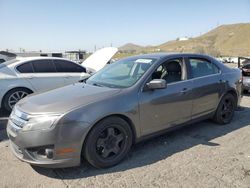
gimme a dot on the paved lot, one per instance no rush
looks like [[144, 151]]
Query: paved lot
[[201, 155]]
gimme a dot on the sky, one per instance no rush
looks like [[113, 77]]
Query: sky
[[59, 25]]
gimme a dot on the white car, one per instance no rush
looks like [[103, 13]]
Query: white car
[[22, 76]]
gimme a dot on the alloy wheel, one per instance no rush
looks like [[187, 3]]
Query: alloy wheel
[[227, 109], [15, 97], [110, 143]]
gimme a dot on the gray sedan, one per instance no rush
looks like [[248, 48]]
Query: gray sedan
[[128, 101]]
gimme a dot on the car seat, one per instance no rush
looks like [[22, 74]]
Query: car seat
[[173, 72]]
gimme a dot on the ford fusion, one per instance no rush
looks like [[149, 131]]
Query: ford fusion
[[125, 102]]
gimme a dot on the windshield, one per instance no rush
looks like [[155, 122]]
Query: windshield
[[121, 74]]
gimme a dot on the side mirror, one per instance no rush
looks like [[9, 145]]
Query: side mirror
[[156, 84], [84, 79]]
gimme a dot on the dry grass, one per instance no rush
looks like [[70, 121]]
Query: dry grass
[[225, 40]]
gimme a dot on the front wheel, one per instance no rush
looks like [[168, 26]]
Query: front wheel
[[108, 142], [225, 111]]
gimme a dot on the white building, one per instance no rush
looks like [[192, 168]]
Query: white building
[[182, 38]]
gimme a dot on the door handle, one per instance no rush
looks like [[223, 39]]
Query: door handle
[[222, 81], [68, 77], [30, 77], [184, 90]]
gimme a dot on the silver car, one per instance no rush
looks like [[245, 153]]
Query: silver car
[[128, 101]]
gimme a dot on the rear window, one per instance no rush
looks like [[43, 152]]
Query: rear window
[[25, 68]]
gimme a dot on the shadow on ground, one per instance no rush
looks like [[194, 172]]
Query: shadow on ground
[[3, 113], [3, 122], [159, 148]]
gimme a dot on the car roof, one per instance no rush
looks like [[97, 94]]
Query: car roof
[[18, 60], [168, 54], [38, 58]]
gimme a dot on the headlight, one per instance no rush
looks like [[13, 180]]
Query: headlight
[[40, 123]]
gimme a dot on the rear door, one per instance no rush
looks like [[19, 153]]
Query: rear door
[[71, 72], [207, 86], [44, 76]]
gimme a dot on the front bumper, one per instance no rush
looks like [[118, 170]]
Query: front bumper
[[26, 157], [30, 146]]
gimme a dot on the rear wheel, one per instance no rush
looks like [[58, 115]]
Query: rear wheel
[[108, 142], [225, 111], [13, 96]]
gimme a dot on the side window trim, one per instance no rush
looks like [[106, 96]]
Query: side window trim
[[52, 60]]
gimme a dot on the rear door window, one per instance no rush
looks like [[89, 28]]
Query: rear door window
[[43, 66], [68, 67], [25, 68], [202, 67]]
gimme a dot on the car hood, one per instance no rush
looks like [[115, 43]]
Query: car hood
[[99, 59], [64, 99]]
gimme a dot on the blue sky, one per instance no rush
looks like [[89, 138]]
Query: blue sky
[[58, 25]]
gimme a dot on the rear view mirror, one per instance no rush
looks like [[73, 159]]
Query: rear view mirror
[[156, 84]]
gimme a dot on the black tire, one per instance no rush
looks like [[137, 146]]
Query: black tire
[[225, 110], [103, 147], [6, 100]]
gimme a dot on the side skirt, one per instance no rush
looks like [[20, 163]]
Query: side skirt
[[158, 133]]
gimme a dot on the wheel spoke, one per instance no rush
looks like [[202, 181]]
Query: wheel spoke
[[19, 96], [14, 97], [223, 106], [23, 95], [119, 137], [116, 149], [100, 142], [106, 152], [111, 131], [12, 102]]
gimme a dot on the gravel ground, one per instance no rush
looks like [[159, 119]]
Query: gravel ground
[[200, 155]]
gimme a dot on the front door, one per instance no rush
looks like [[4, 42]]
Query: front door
[[164, 108], [71, 72]]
